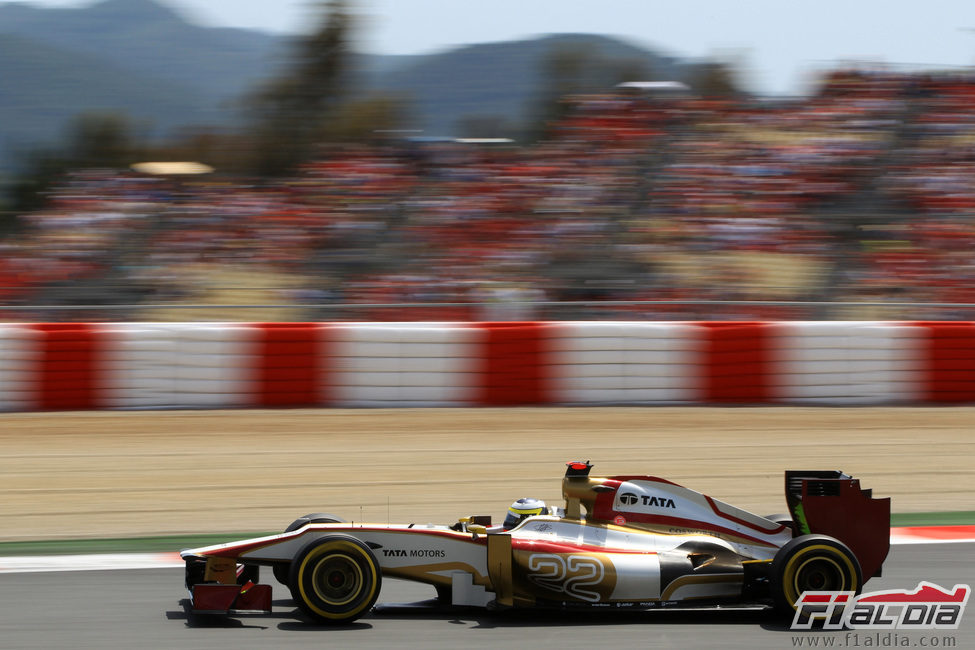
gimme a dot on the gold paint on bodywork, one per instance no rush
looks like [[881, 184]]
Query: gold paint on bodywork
[[582, 577], [715, 578], [221, 569], [580, 491], [499, 568]]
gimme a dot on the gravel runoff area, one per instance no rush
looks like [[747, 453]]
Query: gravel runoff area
[[128, 474]]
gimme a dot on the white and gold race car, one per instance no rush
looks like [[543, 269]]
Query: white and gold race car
[[620, 542]]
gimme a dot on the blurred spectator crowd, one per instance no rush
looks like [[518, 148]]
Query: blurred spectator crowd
[[636, 205]]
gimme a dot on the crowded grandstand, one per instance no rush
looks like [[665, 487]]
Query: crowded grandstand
[[634, 206]]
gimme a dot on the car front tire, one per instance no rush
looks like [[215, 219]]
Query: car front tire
[[282, 570], [335, 579]]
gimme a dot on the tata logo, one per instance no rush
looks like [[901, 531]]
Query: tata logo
[[414, 552], [629, 499], [659, 502]]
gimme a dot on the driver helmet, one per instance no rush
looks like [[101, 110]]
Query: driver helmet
[[522, 509]]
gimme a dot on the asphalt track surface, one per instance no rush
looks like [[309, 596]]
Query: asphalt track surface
[[147, 609]]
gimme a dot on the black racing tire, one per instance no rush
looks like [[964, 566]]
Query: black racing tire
[[335, 579], [445, 595], [784, 520], [282, 570], [812, 563], [314, 518], [251, 573], [195, 571]]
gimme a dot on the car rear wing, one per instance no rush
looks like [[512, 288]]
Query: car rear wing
[[829, 502]]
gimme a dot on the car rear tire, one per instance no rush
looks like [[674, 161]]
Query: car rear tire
[[282, 570], [335, 579], [812, 563], [784, 520]]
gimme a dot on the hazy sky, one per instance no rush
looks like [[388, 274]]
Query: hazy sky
[[779, 42]]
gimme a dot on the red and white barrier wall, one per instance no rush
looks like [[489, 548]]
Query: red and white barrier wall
[[59, 366]]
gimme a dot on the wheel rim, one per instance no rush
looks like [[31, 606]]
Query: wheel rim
[[337, 579], [820, 574], [818, 567]]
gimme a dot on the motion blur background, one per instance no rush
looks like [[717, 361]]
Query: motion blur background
[[553, 177]]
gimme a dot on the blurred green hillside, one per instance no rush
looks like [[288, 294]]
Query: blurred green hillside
[[144, 60]]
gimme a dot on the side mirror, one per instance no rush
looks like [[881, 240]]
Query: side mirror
[[476, 529]]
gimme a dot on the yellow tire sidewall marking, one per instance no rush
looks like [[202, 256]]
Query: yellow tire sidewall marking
[[797, 561], [343, 547], [358, 573]]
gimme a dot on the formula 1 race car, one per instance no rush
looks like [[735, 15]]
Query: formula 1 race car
[[634, 542]]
